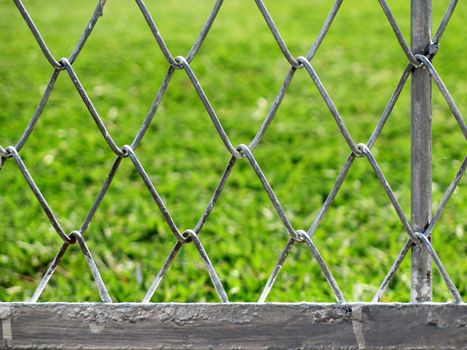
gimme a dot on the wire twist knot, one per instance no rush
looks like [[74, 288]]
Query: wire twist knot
[[299, 236]]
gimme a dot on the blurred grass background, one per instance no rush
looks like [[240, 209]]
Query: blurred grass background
[[241, 69]]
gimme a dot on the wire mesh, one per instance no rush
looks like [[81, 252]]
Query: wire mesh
[[242, 152]]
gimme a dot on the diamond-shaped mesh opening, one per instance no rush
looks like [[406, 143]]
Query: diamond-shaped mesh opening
[[244, 236], [229, 79], [72, 281], [361, 227], [359, 84], [299, 169], [308, 18], [173, 154], [121, 83], [60, 30]]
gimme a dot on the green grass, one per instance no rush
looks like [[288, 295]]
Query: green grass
[[241, 69]]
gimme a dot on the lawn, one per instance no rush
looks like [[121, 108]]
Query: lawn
[[241, 69]]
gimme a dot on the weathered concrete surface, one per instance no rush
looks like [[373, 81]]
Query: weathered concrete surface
[[233, 326]]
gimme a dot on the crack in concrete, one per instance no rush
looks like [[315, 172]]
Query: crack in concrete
[[357, 326]]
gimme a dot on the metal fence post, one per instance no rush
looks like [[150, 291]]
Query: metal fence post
[[421, 12]]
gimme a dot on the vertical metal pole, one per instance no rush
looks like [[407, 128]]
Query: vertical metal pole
[[421, 11]]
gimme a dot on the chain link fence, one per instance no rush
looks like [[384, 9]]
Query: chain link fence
[[416, 61]]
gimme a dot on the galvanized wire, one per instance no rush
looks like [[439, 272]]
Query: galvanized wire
[[357, 150]]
